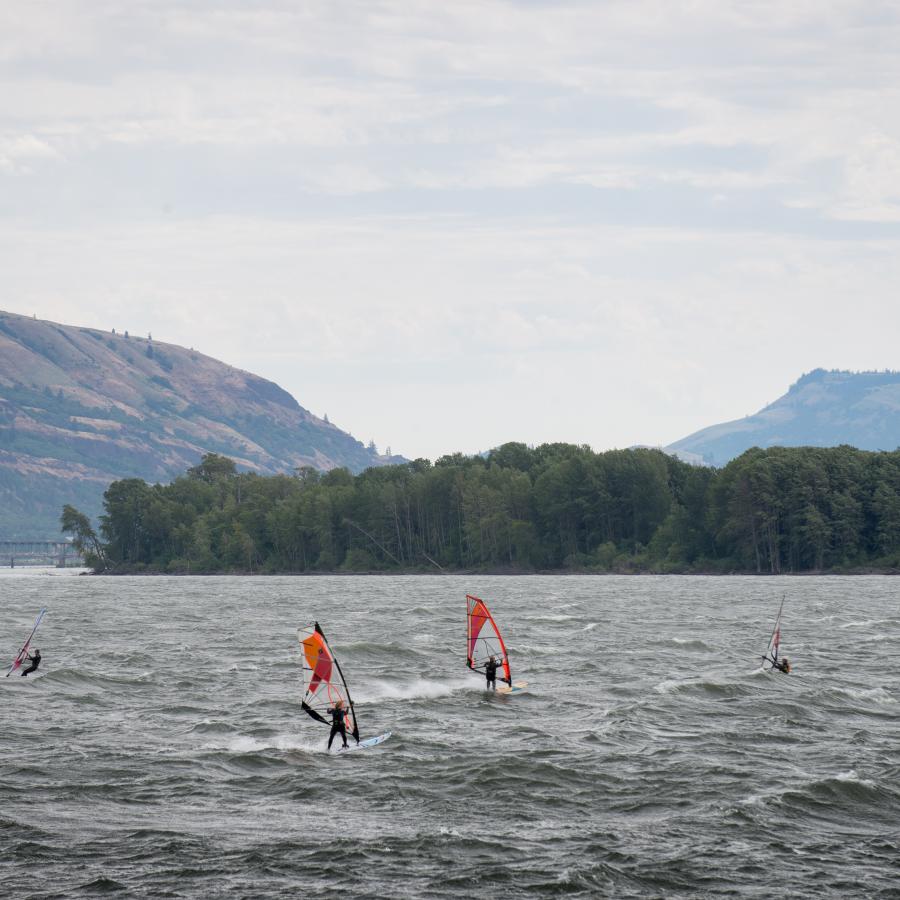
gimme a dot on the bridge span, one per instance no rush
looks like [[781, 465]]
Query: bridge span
[[38, 553]]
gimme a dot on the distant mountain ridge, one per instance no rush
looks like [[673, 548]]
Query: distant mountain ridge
[[821, 409], [81, 407]]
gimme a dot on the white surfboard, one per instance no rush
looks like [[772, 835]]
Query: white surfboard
[[367, 743]]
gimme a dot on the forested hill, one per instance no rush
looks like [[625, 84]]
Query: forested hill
[[518, 509], [80, 408], [822, 409]]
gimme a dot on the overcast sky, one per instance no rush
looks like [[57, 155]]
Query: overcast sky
[[451, 225]]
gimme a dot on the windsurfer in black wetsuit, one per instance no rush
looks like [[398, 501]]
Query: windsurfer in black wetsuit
[[338, 715], [783, 666], [490, 673], [35, 661]]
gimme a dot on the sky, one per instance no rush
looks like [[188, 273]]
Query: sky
[[452, 225]]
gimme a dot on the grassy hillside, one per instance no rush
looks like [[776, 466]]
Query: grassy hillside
[[80, 408]]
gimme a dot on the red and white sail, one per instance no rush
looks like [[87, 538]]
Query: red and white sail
[[483, 638], [20, 658]]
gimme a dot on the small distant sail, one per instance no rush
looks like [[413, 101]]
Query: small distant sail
[[20, 658], [771, 654], [323, 679], [484, 640]]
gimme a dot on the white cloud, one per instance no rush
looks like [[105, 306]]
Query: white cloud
[[872, 174], [450, 225], [18, 152]]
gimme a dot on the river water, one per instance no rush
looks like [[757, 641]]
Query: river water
[[164, 752]]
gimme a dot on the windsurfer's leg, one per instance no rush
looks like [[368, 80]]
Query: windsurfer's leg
[[334, 731], [344, 736]]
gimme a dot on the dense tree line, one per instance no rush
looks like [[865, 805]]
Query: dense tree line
[[553, 507]]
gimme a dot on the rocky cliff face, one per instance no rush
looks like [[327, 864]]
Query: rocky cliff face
[[823, 409], [80, 408]]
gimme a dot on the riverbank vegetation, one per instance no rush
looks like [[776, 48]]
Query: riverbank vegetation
[[557, 507]]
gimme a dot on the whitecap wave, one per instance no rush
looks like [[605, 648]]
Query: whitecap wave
[[533, 650], [378, 690], [682, 643], [874, 695], [807, 783], [241, 744], [853, 777]]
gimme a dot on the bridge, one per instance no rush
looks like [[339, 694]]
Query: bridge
[[38, 553]]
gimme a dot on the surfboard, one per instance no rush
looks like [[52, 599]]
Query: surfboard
[[517, 687], [367, 743]]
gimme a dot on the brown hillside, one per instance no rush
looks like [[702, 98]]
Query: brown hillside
[[80, 407]]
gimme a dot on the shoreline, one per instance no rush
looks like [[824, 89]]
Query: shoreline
[[857, 573]]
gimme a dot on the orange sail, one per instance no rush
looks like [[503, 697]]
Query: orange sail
[[323, 679]]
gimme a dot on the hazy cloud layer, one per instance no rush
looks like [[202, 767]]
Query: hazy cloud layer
[[451, 225]]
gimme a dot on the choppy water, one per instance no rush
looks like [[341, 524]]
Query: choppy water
[[164, 753]]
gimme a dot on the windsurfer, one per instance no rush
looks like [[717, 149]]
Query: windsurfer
[[338, 715], [783, 666], [490, 673], [771, 655], [35, 661]]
